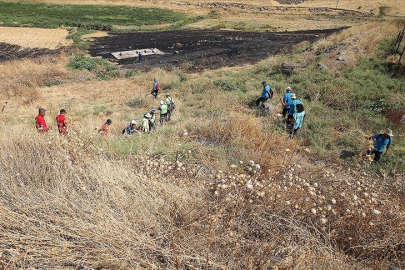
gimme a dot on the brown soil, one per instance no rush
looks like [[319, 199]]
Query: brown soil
[[202, 49]]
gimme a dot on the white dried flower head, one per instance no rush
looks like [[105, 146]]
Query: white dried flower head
[[249, 185], [364, 214], [240, 161], [371, 223], [287, 150], [313, 210], [348, 211], [377, 212], [333, 201], [251, 162], [233, 166], [216, 192], [292, 169], [258, 167], [354, 197], [324, 220], [287, 202], [329, 207]]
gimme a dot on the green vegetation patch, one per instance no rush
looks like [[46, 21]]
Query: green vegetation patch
[[91, 64], [84, 16]]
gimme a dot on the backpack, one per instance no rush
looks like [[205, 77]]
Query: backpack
[[271, 93], [158, 86]]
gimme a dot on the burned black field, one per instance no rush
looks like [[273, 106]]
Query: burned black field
[[196, 50]]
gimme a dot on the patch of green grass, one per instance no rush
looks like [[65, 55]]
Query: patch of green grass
[[137, 103], [97, 65], [83, 16], [99, 109]]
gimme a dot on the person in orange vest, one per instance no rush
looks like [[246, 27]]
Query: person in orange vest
[[40, 123], [61, 122], [104, 128]]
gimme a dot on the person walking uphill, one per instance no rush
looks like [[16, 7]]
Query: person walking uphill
[[266, 94], [381, 142], [156, 88], [40, 123], [61, 122]]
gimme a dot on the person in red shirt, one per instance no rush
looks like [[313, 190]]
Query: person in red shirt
[[61, 122], [40, 123], [104, 128]]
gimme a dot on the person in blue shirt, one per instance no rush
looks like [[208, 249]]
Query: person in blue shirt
[[381, 142], [298, 118], [286, 99], [292, 109], [266, 94]]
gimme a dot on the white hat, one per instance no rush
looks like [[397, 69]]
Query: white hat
[[148, 115], [288, 88], [133, 122], [293, 96], [162, 102], [388, 131]]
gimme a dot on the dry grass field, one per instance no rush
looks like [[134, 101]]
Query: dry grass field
[[222, 191]]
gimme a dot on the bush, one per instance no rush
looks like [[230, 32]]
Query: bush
[[91, 64]]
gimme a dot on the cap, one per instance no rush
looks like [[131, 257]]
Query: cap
[[293, 96], [167, 94], [41, 110], [148, 115], [162, 102], [263, 82], [133, 122], [388, 131], [288, 88], [62, 111], [153, 109]]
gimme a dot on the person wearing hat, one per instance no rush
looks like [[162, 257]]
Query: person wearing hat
[[104, 128], [40, 123], [163, 112], [286, 99], [297, 120], [266, 94], [145, 122], [152, 121], [170, 105], [292, 109], [381, 142], [61, 122], [130, 129]]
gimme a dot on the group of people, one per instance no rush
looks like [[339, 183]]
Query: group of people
[[296, 115], [293, 108], [291, 105], [61, 122], [148, 122]]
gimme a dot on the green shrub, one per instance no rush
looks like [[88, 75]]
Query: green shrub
[[91, 64]]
